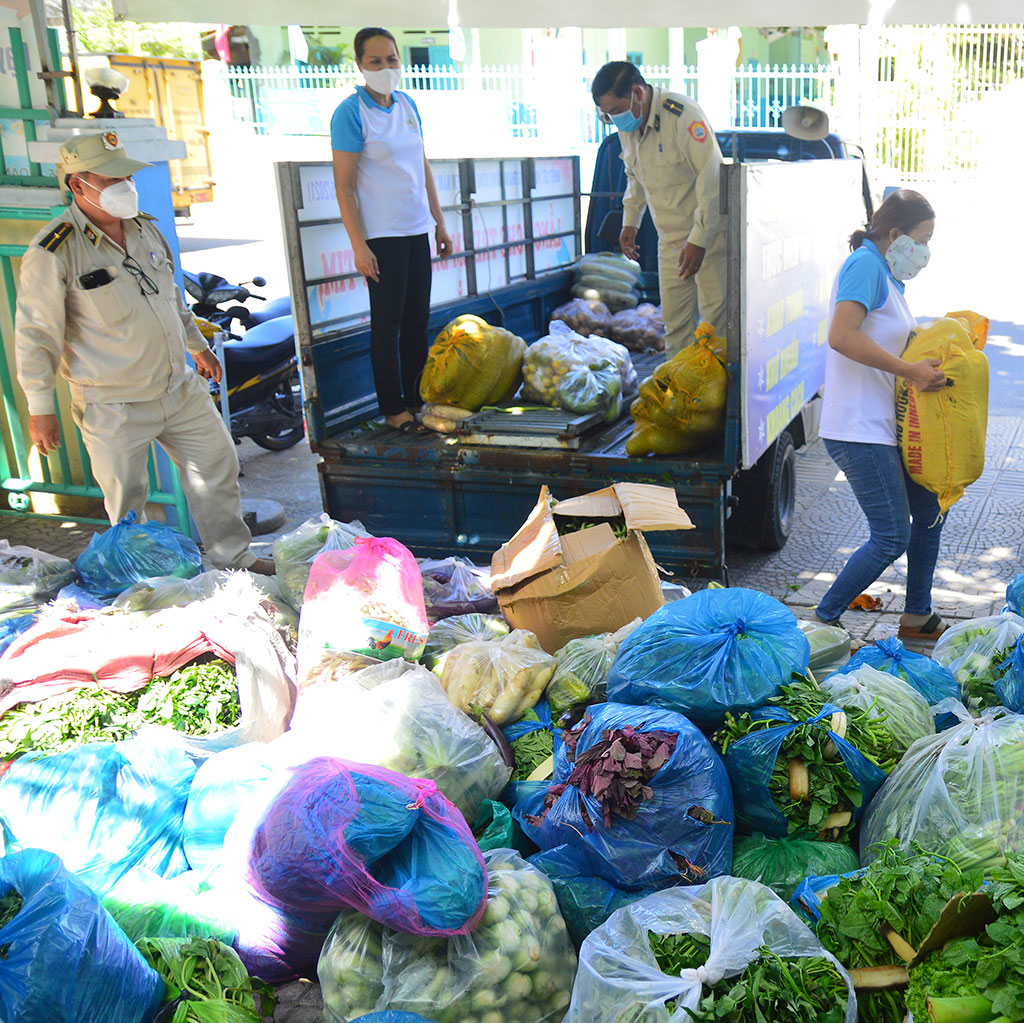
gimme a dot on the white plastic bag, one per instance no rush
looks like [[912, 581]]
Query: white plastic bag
[[29, 578], [959, 793], [978, 653], [904, 710], [830, 646], [449, 633], [619, 978]]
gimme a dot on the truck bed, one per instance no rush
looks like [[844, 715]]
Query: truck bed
[[441, 496]]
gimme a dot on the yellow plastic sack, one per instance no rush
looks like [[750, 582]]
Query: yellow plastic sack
[[681, 407], [472, 364], [941, 434]]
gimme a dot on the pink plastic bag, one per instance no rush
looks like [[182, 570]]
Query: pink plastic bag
[[342, 834], [366, 600]]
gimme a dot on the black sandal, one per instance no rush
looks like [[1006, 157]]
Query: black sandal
[[411, 426]]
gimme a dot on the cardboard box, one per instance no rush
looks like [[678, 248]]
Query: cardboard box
[[588, 582]]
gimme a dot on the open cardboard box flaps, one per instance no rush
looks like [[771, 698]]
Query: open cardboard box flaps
[[590, 581]]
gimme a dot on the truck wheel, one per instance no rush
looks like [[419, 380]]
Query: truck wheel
[[766, 498]]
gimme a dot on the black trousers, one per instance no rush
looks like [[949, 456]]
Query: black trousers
[[399, 309]]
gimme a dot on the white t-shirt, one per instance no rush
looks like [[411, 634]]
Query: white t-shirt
[[860, 402], [391, 189]]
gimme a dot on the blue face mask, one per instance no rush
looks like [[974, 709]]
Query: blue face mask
[[627, 120]]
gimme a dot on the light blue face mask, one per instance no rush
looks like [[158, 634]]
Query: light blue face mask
[[627, 120]]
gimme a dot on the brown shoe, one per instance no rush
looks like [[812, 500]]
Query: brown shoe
[[263, 566], [928, 631]]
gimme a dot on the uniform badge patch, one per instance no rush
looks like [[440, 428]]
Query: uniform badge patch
[[110, 140], [91, 235], [410, 122], [53, 240], [698, 131], [673, 106]]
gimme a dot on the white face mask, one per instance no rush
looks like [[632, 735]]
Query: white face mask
[[120, 199], [906, 257], [384, 81]]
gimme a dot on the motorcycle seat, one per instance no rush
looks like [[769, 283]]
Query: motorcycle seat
[[266, 342], [275, 308]]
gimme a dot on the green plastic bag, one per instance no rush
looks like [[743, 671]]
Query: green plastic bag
[[495, 829], [782, 863]]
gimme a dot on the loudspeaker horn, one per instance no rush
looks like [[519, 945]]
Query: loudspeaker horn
[[805, 122]]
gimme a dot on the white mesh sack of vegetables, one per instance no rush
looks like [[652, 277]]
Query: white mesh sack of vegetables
[[294, 552], [501, 678], [728, 949], [978, 653], [957, 794], [29, 578], [517, 966]]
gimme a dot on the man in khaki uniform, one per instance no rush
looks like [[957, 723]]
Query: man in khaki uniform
[[672, 164], [97, 300]]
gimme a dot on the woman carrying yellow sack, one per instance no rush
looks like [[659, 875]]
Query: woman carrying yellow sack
[[871, 325]]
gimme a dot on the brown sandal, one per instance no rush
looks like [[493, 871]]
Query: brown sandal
[[929, 630]]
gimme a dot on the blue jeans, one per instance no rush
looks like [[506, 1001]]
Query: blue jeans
[[902, 517]]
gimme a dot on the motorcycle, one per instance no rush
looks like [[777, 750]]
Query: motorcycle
[[260, 365]]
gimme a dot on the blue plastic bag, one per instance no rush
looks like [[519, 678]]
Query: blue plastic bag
[[663, 844], [585, 902], [392, 1017], [13, 625], [932, 680], [751, 760], [65, 958], [806, 900], [1015, 595], [719, 650], [105, 808], [1010, 687], [131, 551]]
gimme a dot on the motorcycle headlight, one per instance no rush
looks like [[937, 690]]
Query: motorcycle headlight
[[222, 295]]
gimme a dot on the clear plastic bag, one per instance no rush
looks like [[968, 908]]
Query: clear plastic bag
[[64, 958], [958, 793], [455, 586], [517, 966], [619, 978], [830, 646], [904, 709], [719, 650], [132, 551], [368, 601], [29, 578], [585, 317], [294, 552], [782, 863], [408, 725], [933, 681], [502, 677], [105, 808], [448, 633], [582, 669], [342, 834], [566, 370], [978, 653], [638, 329], [683, 830]]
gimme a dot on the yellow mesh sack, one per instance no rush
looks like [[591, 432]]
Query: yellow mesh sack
[[472, 364], [941, 434]]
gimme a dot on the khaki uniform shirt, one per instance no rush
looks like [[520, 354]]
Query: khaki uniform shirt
[[672, 168], [112, 343]]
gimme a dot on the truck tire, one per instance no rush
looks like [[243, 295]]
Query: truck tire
[[766, 496]]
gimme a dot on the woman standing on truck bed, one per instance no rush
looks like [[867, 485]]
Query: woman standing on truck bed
[[388, 204], [871, 325]]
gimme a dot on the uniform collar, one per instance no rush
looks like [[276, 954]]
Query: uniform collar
[[877, 253], [654, 115], [93, 234]]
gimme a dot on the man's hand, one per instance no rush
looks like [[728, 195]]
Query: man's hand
[[926, 375], [690, 260], [443, 240], [627, 242], [44, 432], [208, 365]]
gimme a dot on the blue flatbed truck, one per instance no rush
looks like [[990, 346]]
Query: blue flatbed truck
[[789, 206]]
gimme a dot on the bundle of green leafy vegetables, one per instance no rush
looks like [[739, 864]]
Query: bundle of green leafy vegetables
[[978, 653], [810, 784], [879, 917], [10, 906], [531, 749], [978, 979], [771, 988], [199, 699], [206, 982]]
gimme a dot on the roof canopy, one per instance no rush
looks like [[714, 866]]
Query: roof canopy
[[591, 13]]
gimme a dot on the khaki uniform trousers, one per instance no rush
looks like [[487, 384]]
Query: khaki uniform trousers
[[680, 300], [186, 425]]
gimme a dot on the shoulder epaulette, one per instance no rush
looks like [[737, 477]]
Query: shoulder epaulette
[[53, 240], [145, 216], [673, 106]]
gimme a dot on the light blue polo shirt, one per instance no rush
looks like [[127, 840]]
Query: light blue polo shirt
[[391, 189]]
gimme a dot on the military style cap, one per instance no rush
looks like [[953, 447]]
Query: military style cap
[[101, 153]]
